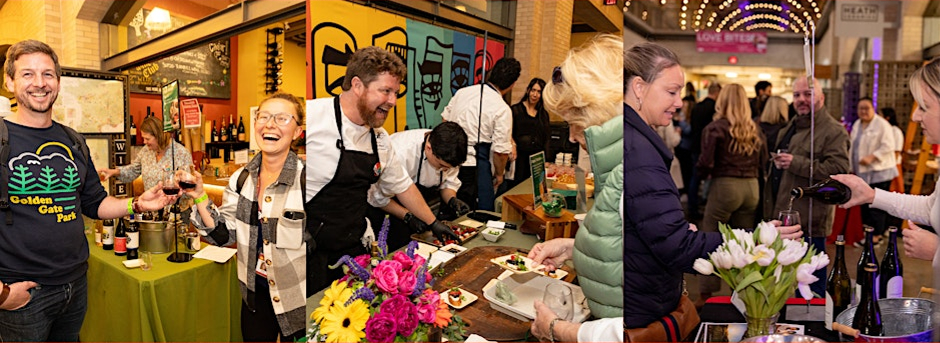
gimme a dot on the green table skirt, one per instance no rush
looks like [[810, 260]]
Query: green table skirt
[[172, 302]]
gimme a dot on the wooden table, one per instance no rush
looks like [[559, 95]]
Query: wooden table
[[520, 207], [471, 271]]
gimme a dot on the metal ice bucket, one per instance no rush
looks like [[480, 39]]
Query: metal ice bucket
[[156, 236], [904, 320]]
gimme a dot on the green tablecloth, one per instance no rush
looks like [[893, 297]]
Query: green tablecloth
[[172, 302]]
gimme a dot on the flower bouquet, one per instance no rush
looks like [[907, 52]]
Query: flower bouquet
[[383, 298], [764, 269]]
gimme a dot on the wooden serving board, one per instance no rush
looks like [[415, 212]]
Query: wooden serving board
[[471, 271]]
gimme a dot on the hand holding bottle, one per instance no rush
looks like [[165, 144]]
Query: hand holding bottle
[[862, 193]]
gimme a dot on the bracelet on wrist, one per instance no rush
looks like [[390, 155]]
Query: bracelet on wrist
[[130, 206], [203, 197], [551, 329], [4, 294]]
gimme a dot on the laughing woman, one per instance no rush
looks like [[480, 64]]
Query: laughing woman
[[271, 250]]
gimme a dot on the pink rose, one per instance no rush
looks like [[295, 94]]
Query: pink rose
[[408, 320], [430, 297], [403, 259], [418, 263], [407, 282], [363, 260], [386, 276], [427, 312], [381, 328]]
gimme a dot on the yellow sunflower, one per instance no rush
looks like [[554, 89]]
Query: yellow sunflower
[[338, 292], [345, 323]]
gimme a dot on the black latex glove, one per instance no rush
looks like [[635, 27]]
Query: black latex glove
[[443, 232], [459, 206], [414, 223]]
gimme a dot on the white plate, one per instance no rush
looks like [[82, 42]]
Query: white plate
[[468, 298], [501, 261], [135, 263], [558, 274], [528, 288]]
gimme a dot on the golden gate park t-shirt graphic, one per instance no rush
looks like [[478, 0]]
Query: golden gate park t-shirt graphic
[[46, 180]]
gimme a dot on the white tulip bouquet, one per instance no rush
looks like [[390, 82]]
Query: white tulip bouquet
[[762, 267]]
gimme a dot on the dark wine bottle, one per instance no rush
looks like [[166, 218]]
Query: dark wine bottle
[[133, 132], [223, 134], [891, 275], [232, 135], [241, 130], [215, 132], [868, 256], [828, 191], [107, 234], [868, 315], [120, 239], [838, 285], [133, 240]]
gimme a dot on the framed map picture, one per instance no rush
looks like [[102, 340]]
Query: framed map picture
[[100, 152], [92, 102]]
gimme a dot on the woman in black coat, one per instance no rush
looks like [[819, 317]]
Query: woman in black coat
[[529, 129]]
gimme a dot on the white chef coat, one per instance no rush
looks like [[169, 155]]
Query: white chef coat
[[408, 146], [323, 155], [496, 121]]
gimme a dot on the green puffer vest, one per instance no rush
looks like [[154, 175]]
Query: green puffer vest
[[598, 245]]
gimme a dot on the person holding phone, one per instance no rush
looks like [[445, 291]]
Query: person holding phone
[[272, 258]]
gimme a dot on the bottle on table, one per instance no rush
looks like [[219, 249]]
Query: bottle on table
[[838, 285], [133, 240], [98, 230], [223, 134], [120, 238], [828, 191], [241, 130], [868, 256], [107, 234], [232, 135], [868, 315], [891, 275], [215, 132]]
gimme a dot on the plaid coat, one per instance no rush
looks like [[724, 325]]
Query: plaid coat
[[283, 244]]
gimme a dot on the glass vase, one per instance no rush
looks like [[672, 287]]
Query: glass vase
[[761, 326]]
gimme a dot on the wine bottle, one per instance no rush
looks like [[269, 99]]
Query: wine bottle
[[133, 132], [241, 130], [223, 135], [828, 191], [868, 315], [232, 135], [868, 256], [133, 240], [98, 230], [891, 275], [838, 285], [107, 234], [120, 239]]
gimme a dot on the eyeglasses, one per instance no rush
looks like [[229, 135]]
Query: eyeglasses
[[556, 76], [280, 119]]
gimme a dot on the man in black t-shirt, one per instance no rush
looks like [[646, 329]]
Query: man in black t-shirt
[[44, 253]]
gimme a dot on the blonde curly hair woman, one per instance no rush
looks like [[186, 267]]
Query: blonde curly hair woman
[[733, 152]]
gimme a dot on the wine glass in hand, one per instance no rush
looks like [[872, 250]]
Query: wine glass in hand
[[170, 187], [558, 298], [789, 217]]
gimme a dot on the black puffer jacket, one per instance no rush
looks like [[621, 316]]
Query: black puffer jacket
[[658, 246]]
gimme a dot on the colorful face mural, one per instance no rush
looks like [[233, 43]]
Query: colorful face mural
[[440, 61]]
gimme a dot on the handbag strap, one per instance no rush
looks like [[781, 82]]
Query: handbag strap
[[671, 326]]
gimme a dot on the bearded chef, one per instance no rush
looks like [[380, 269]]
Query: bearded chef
[[349, 151]]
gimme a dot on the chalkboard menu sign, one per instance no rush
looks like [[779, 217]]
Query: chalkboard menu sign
[[202, 72]]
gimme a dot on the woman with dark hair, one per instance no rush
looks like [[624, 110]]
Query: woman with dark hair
[[529, 129], [154, 161], [872, 156]]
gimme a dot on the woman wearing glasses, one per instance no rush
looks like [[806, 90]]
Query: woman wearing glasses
[[271, 249], [156, 160]]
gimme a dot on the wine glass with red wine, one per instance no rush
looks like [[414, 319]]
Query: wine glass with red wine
[[185, 177], [169, 184]]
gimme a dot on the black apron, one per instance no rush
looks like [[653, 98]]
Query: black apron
[[430, 194], [486, 195], [338, 211]]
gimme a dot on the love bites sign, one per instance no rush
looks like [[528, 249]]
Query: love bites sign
[[731, 42]]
